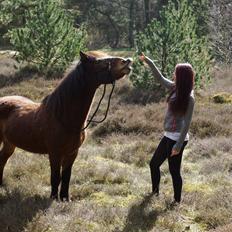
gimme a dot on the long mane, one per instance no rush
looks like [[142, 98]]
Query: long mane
[[73, 82]]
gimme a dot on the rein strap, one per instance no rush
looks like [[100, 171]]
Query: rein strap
[[98, 106]]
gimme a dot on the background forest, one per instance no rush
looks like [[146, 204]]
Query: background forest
[[192, 31]]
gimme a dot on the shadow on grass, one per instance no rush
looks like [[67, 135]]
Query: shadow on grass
[[141, 216], [17, 209]]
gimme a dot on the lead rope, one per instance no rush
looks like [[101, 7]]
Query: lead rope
[[97, 108]]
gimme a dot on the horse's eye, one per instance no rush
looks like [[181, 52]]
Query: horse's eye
[[123, 61]]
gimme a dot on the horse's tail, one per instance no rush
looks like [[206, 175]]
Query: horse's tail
[[6, 109]]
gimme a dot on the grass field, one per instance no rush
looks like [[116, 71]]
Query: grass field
[[110, 183]]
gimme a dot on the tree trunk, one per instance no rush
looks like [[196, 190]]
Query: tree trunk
[[131, 23], [159, 5], [147, 12], [115, 41]]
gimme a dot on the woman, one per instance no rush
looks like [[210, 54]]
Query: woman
[[176, 124]]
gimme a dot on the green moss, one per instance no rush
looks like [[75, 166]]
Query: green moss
[[84, 225], [198, 187], [222, 98], [102, 198]]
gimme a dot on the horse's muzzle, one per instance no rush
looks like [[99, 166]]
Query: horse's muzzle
[[127, 66]]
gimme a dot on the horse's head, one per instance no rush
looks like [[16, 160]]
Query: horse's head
[[105, 70]]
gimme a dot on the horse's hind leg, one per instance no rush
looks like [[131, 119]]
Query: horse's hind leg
[[5, 153]]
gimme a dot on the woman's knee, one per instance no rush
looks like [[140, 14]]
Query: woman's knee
[[175, 173], [153, 165]]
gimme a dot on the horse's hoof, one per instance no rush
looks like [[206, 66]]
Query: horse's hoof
[[54, 197], [64, 196], [65, 199]]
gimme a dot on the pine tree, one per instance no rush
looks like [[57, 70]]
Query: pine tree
[[172, 39], [47, 39]]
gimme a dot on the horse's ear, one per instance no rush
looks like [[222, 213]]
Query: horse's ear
[[85, 57]]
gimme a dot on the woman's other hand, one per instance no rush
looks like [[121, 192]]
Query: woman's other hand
[[174, 152]]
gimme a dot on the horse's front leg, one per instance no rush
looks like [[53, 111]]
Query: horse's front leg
[[55, 164], [67, 164]]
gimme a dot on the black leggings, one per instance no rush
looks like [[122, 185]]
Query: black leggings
[[162, 152]]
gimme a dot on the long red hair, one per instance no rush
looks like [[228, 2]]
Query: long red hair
[[184, 81]]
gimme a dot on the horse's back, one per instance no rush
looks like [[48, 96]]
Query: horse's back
[[14, 100], [9, 104]]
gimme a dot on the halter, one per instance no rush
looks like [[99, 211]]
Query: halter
[[100, 101]]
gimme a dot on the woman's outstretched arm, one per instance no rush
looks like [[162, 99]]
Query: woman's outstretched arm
[[156, 73]]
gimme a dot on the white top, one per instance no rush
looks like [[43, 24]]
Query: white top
[[175, 135]]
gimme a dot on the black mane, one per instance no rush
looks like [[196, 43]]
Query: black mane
[[62, 96]]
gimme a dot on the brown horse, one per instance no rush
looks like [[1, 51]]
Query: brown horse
[[55, 126]]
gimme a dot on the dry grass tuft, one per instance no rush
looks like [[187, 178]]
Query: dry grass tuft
[[211, 120], [225, 228], [216, 210], [132, 119]]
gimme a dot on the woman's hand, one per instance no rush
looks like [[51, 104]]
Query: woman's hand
[[142, 57], [174, 152]]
